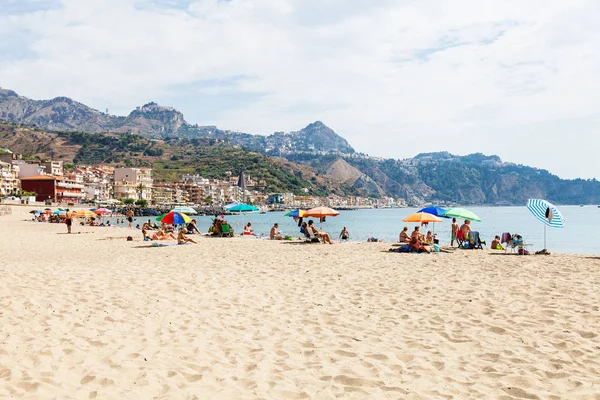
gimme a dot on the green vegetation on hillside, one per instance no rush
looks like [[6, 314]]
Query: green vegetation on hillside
[[173, 157]]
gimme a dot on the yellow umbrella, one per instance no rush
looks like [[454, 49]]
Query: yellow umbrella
[[422, 217], [84, 214]]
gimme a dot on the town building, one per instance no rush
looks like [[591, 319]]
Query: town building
[[52, 188], [134, 183], [9, 179]]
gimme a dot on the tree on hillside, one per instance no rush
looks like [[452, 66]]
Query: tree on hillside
[[128, 201]]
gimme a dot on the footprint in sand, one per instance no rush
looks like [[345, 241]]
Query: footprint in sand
[[87, 379], [520, 393]]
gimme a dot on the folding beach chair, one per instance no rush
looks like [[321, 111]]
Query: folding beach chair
[[226, 230], [516, 244], [474, 241], [460, 238], [310, 236]]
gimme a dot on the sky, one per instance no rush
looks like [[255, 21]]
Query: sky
[[515, 78]]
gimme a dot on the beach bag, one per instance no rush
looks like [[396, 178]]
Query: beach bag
[[523, 252], [129, 239]]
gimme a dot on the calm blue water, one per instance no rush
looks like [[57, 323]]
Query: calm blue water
[[581, 234]]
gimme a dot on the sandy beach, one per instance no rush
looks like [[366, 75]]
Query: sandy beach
[[92, 315]]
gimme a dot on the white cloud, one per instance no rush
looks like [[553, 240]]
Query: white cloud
[[393, 77]]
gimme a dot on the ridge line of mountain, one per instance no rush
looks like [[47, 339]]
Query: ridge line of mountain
[[438, 177]]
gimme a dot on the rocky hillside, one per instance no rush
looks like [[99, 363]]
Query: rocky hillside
[[153, 120], [170, 158], [431, 177]]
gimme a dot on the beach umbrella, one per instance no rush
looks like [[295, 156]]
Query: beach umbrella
[[433, 210], [321, 212], [35, 212], [185, 210], [84, 214], [101, 211], [295, 213], [48, 211], [174, 218], [461, 213], [57, 212], [241, 208], [547, 213], [422, 217]]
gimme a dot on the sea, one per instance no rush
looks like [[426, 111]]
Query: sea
[[580, 234]]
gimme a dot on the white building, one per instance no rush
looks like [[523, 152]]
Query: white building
[[9, 179], [134, 183]]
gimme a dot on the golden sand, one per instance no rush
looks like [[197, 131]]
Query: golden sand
[[92, 315]]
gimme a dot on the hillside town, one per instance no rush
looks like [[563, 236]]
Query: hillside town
[[50, 182]]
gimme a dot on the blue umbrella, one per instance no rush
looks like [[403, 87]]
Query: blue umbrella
[[433, 210], [547, 213]]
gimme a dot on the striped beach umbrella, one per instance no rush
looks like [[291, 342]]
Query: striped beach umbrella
[[547, 213]]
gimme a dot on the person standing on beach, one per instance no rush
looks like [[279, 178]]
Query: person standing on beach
[[344, 234], [69, 221], [130, 217], [454, 232]]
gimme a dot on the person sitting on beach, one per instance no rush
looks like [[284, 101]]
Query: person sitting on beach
[[275, 234], [192, 228], [344, 234], [416, 243], [147, 226], [248, 229], [466, 228], [145, 235], [429, 238], [324, 236], [496, 245], [404, 236], [182, 239], [304, 229]]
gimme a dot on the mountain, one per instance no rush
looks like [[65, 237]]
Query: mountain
[[315, 151], [170, 157], [153, 120]]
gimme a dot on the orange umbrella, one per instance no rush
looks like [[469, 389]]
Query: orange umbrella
[[422, 217], [320, 212]]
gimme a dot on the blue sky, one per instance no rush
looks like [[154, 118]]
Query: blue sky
[[394, 77]]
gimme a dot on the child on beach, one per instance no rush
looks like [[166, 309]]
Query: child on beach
[[454, 232]]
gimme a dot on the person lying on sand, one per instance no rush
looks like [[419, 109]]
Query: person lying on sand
[[182, 239], [161, 235], [324, 236]]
